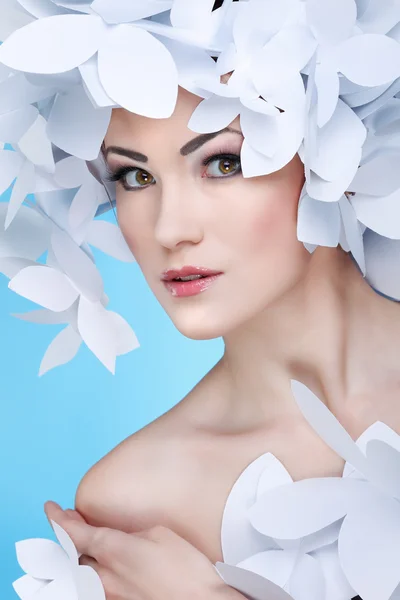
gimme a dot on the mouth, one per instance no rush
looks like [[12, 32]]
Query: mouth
[[189, 281]]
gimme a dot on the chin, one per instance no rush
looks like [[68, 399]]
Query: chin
[[198, 325]]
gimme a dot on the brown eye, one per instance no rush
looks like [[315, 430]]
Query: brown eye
[[138, 178], [220, 166], [226, 166]]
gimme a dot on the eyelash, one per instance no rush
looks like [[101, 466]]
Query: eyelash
[[122, 172]]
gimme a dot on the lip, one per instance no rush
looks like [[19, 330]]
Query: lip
[[170, 274], [183, 289]]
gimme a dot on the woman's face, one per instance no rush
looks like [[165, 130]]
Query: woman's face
[[181, 204]]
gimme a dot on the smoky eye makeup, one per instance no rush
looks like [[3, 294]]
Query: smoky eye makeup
[[220, 162]]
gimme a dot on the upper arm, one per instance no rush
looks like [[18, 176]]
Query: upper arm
[[116, 491]]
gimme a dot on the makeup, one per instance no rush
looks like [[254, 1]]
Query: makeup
[[182, 289]]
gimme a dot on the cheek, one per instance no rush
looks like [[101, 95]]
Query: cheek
[[134, 226], [273, 225]]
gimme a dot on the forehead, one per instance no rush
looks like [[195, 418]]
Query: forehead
[[125, 126]]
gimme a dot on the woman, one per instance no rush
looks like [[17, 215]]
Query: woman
[[186, 210], [283, 313]]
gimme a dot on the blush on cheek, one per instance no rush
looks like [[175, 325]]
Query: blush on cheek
[[276, 222]]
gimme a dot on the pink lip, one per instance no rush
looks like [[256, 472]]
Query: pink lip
[[188, 270], [183, 289]]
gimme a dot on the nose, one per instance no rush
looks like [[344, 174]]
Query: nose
[[179, 217]]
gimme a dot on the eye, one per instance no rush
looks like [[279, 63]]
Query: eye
[[222, 165], [132, 178]]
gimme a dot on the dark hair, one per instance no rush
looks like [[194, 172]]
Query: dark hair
[[219, 3]]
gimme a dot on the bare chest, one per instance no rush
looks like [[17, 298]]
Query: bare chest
[[194, 486]]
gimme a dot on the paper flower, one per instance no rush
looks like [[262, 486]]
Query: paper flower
[[53, 571], [321, 79], [347, 43], [365, 501], [69, 285], [270, 100], [310, 563], [114, 46]]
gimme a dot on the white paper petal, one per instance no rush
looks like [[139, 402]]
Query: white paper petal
[[42, 559], [382, 257], [62, 349], [331, 21], [275, 565], [287, 52], [89, 584], [369, 59], [378, 17], [77, 266], [379, 431], [126, 338], [332, 191], [142, 94], [71, 172], [76, 126], [344, 131], [327, 82], [10, 165], [66, 543], [327, 426], [98, 332], [385, 463], [318, 540], [369, 547], [251, 584], [298, 509], [84, 206], [353, 232], [14, 124], [43, 8], [120, 11], [191, 15], [44, 316], [336, 584], [214, 114], [378, 177], [55, 33], [260, 131], [307, 581], [26, 586], [63, 588], [108, 238], [45, 286], [16, 92], [10, 267], [93, 86], [318, 222], [28, 235], [12, 18], [382, 215], [289, 135], [239, 539], [36, 146], [23, 186]]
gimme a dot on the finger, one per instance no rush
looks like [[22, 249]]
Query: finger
[[89, 561], [109, 582], [75, 515], [107, 546]]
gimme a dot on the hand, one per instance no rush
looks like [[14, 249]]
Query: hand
[[155, 564]]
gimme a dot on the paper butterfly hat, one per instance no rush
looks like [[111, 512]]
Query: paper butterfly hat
[[317, 78]]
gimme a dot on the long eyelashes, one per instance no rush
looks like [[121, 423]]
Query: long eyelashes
[[222, 157]]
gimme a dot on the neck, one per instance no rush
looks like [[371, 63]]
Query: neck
[[332, 332]]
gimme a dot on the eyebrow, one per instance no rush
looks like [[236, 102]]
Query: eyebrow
[[188, 148]]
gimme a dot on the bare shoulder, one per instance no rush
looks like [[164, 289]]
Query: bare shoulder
[[143, 480], [121, 488]]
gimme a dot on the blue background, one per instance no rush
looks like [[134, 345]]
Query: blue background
[[54, 427]]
